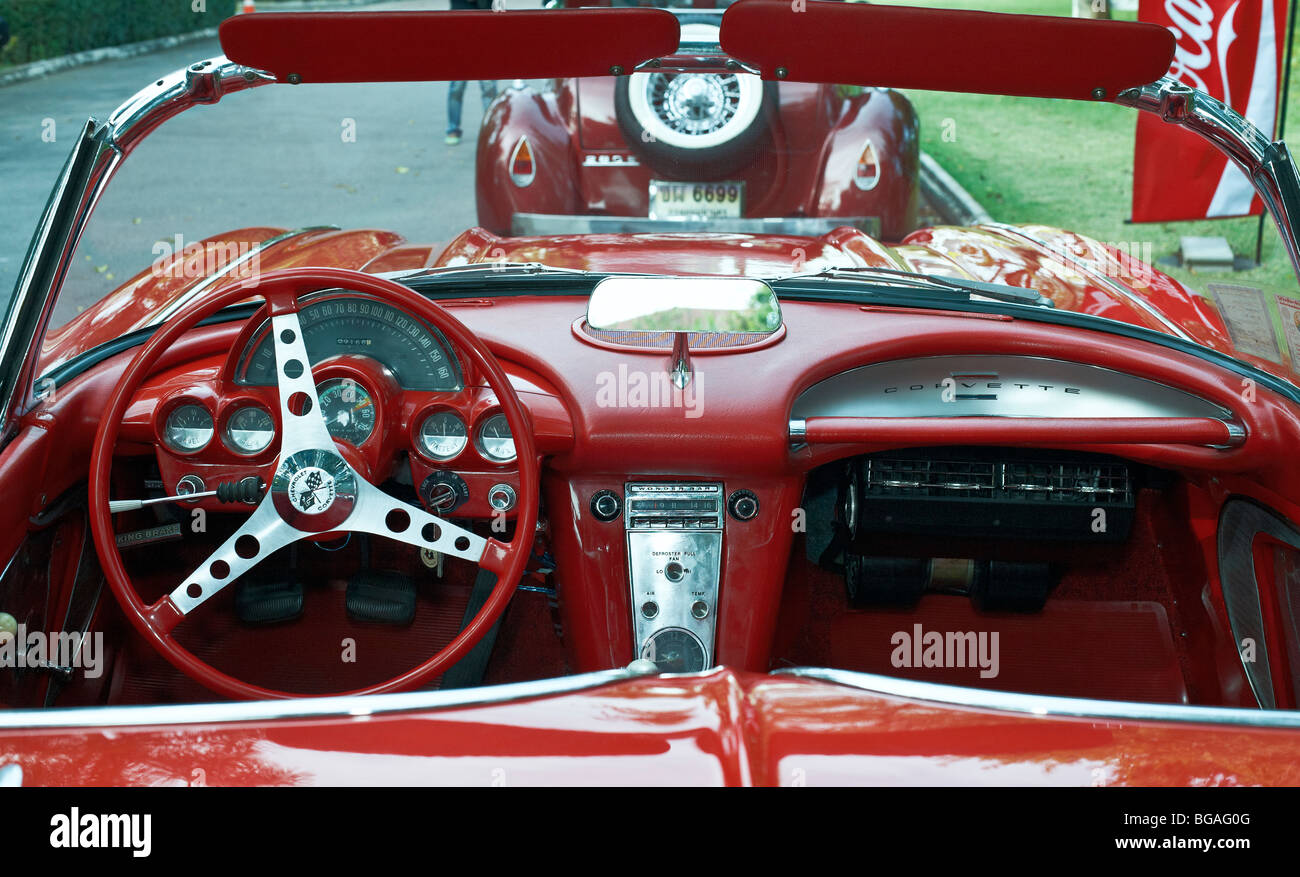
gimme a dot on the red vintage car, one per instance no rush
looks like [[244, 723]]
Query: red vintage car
[[300, 504], [697, 142]]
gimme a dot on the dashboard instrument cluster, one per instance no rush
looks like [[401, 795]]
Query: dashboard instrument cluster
[[389, 387]]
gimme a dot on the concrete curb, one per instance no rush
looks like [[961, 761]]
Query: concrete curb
[[953, 203], [46, 66], [37, 69]]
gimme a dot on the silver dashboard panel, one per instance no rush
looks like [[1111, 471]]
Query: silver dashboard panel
[[995, 386], [674, 565]]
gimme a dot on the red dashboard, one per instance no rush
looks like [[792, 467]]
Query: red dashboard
[[736, 432]]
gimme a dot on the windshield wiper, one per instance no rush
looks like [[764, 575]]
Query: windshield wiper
[[892, 280]]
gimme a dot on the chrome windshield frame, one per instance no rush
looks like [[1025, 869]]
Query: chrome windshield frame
[[95, 158], [1265, 162], [102, 147]]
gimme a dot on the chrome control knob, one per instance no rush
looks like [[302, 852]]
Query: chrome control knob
[[502, 497], [605, 505], [743, 505]]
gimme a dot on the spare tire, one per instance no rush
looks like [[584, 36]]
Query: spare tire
[[697, 125]]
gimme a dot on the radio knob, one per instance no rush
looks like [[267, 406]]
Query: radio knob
[[743, 505], [605, 505]]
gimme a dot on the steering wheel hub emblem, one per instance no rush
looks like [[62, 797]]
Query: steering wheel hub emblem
[[314, 490], [311, 490]]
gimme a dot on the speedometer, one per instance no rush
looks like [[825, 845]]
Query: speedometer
[[333, 326]]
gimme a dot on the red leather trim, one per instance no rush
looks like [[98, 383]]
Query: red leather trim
[[1019, 430], [946, 49], [433, 46]]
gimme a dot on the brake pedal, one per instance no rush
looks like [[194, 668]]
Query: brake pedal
[[381, 596], [268, 602]]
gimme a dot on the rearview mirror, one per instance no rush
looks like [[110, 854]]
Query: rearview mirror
[[684, 304]]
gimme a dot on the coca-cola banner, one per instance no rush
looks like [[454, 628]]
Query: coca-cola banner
[[1231, 49]]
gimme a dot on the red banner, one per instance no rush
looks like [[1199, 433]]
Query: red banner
[[1232, 50]]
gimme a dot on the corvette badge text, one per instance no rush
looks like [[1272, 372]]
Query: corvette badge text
[[77, 830]]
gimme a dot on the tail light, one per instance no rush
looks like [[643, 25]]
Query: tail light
[[868, 171], [522, 167]]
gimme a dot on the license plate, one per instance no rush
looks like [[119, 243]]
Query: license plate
[[722, 200]]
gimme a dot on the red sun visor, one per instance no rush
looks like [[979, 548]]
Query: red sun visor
[[945, 49], [437, 46]]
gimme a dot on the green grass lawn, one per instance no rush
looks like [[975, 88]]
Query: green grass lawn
[[1070, 163]]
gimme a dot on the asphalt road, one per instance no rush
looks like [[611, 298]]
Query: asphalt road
[[290, 156]]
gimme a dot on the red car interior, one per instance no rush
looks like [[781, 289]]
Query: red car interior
[[1095, 480], [1155, 597]]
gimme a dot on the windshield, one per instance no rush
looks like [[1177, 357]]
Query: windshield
[[781, 178]]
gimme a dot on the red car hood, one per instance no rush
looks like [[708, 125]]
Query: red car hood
[[1054, 262], [717, 728]]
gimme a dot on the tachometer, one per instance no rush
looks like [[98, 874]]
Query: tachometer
[[443, 435], [348, 409], [416, 355], [188, 428]]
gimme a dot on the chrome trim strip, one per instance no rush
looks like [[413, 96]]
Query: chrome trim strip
[[798, 431], [214, 278], [304, 707], [1110, 283], [1046, 706], [911, 387]]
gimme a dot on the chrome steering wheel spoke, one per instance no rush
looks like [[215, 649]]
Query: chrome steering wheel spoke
[[263, 533], [379, 514], [302, 421]]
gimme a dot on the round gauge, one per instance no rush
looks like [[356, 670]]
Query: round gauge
[[188, 428], [674, 650], [348, 410], [334, 325], [249, 430], [443, 435], [494, 439]]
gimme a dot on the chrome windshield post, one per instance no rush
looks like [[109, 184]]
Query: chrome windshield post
[[1266, 163], [94, 160]]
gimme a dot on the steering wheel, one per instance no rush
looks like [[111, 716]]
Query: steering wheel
[[314, 489]]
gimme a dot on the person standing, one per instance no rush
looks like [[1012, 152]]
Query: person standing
[[487, 88]]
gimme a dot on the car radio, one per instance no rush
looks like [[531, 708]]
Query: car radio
[[674, 554]]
